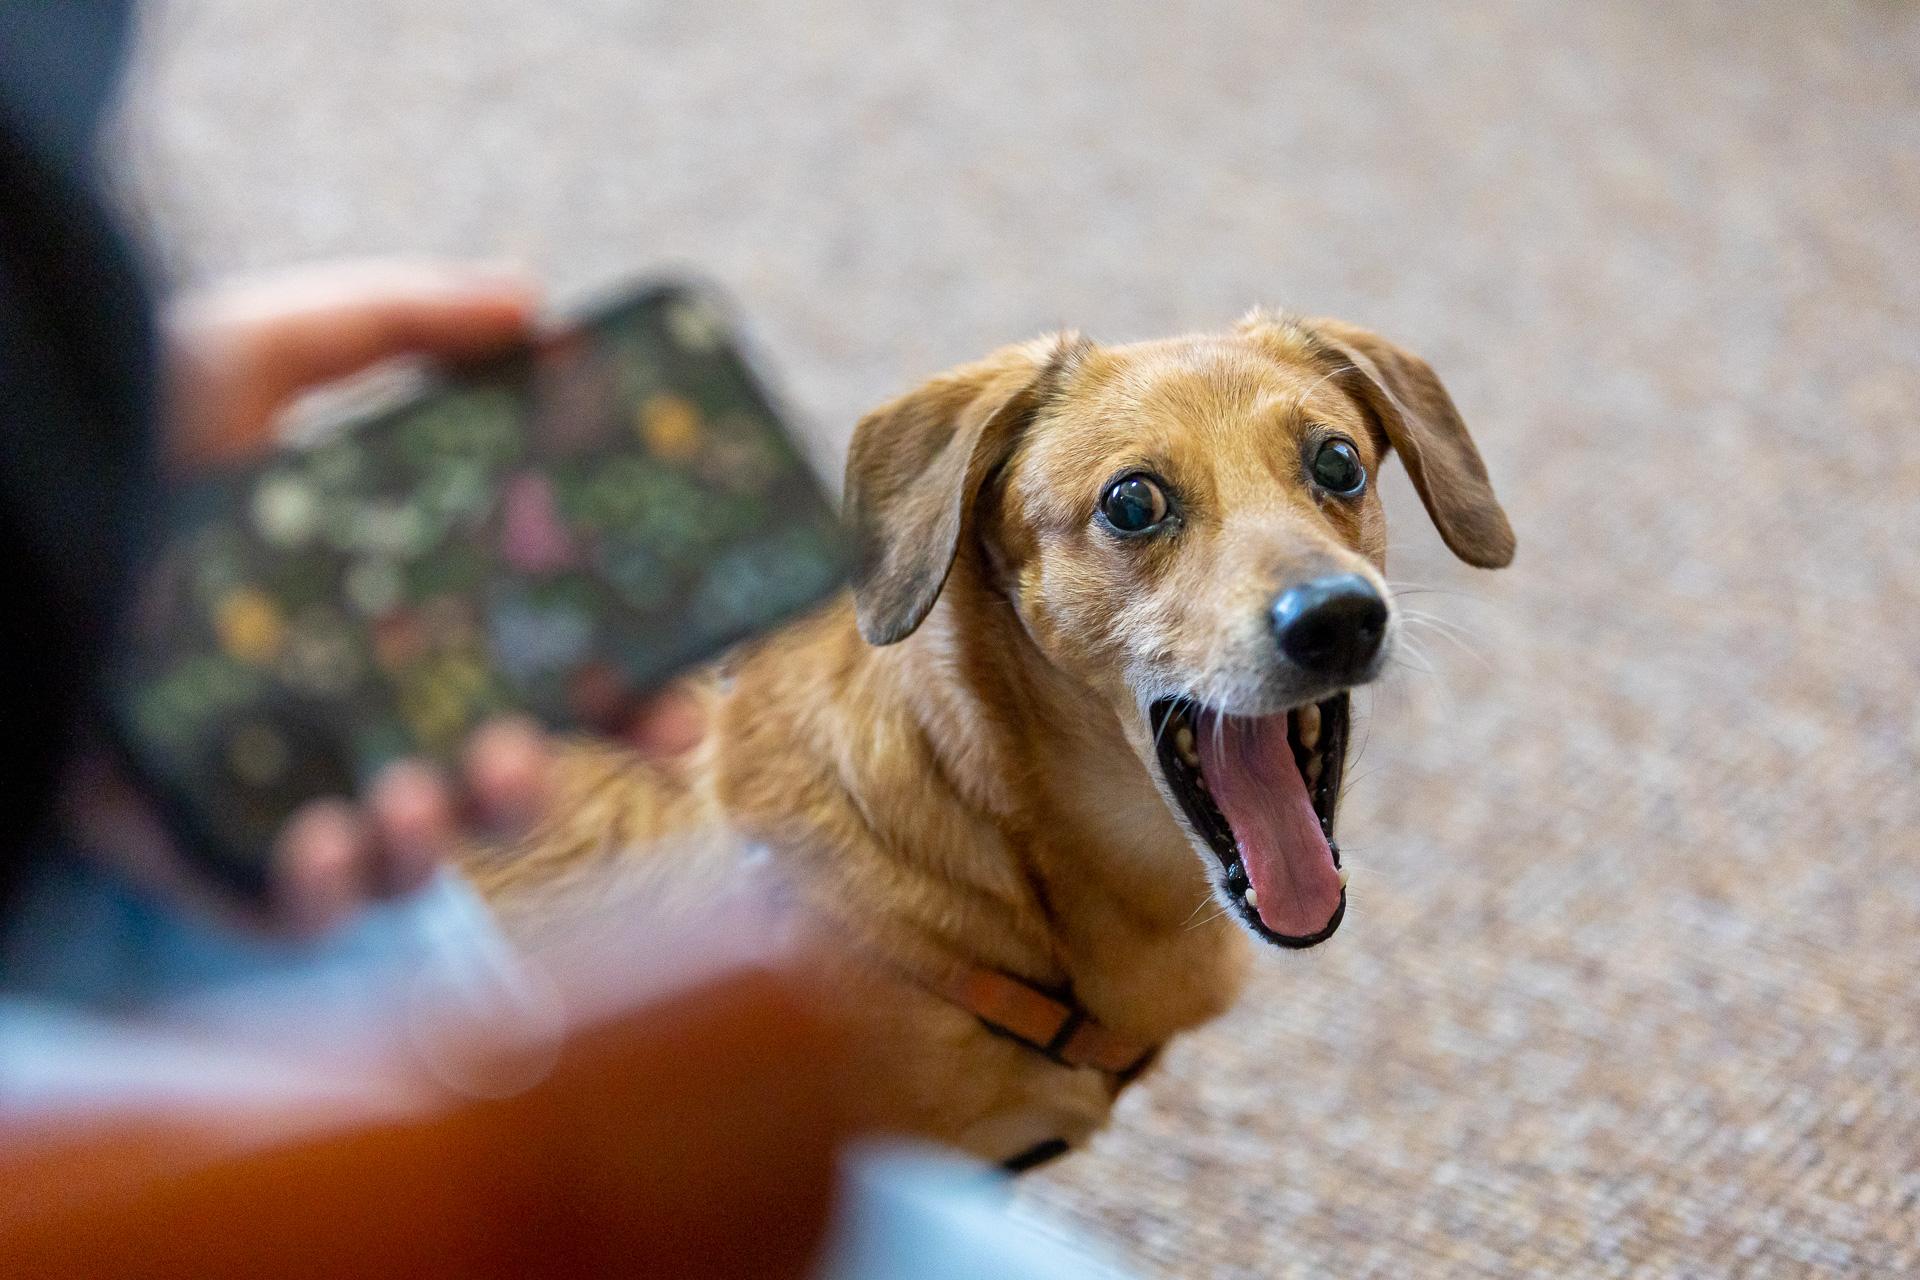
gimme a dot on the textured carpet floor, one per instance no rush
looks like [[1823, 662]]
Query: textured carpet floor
[[1628, 986]]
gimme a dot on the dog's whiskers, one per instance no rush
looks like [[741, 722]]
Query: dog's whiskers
[[1398, 589], [1454, 640], [1439, 621], [1369, 871], [1423, 664], [1160, 730], [1403, 689], [1365, 722], [1454, 632], [1198, 907], [1201, 924], [1181, 706], [1352, 780]]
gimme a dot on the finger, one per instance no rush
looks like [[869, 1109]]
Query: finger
[[318, 872], [302, 332], [249, 349], [509, 775], [411, 808]]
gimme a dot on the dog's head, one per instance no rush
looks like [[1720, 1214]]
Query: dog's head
[[1191, 530]]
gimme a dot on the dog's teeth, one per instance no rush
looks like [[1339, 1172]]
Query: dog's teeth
[[1253, 899], [1309, 719], [1313, 770], [1183, 743], [1343, 877]]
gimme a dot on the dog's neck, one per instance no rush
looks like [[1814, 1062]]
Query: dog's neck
[[1112, 896]]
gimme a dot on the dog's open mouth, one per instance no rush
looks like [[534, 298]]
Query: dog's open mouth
[[1262, 792]]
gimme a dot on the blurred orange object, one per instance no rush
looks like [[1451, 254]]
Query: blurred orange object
[[694, 1137]]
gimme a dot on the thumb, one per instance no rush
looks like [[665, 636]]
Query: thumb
[[243, 351]]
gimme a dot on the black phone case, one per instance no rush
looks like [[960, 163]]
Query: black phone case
[[556, 532]]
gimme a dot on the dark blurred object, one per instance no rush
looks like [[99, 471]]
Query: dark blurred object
[[695, 1138], [76, 387], [555, 530]]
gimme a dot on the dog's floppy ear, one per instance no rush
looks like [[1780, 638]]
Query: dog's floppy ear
[[915, 467], [1426, 430], [1424, 427]]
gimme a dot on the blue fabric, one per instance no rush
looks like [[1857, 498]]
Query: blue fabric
[[914, 1211], [110, 1000], [79, 935]]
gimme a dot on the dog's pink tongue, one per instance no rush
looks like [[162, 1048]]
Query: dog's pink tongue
[[1250, 770]]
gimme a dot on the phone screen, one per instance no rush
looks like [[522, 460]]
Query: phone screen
[[556, 532]]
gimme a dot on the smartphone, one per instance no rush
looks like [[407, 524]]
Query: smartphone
[[555, 532]]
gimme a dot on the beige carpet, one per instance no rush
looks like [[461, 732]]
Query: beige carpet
[[1629, 984]]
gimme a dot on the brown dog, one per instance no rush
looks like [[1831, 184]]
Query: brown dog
[[1091, 679]]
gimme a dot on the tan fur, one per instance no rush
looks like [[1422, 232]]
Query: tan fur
[[982, 792]]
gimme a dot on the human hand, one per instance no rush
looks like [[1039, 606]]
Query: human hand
[[336, 855], [239, 355]]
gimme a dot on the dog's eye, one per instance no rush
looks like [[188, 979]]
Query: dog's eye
[[1337, 469], [1134, 504]]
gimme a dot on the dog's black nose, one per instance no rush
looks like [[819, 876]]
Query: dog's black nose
[[1331, 626]]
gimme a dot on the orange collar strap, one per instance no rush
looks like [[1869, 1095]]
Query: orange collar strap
[[1061, 1029]]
